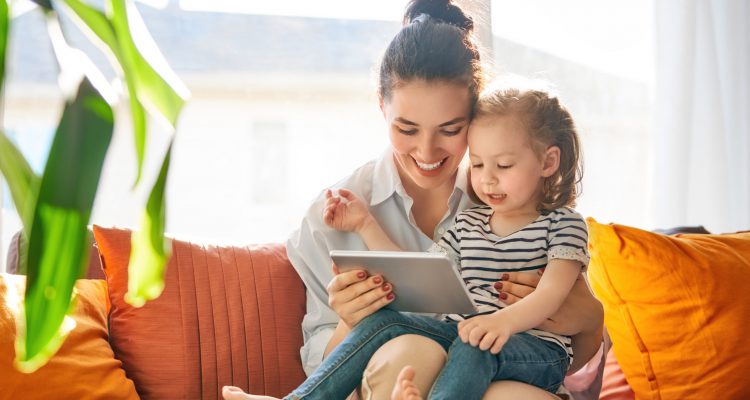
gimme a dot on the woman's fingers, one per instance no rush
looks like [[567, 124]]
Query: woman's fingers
[[522, 278], [343, 280], [353, 295], [372, 301], [516, 285]]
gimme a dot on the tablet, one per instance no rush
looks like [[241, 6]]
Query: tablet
[[422, 282]]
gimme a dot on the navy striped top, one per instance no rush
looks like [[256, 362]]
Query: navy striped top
[[483, 256]]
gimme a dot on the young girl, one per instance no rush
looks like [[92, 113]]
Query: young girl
[[524, 156]]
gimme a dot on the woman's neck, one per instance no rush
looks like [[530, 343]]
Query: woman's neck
[[429, 205]]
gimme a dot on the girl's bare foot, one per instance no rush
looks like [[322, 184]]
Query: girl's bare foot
[[235, 393], [405, 389]]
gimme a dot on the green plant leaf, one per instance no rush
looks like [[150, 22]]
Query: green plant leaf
[[153, 90], [147, 88], [3, 40], [150, 250], [22, 180], [58, 245], [46, 4]]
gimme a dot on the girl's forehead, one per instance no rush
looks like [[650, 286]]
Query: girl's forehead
[[504, 131]]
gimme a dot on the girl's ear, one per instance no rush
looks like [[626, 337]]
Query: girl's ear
[[550, 161], [382, 105]]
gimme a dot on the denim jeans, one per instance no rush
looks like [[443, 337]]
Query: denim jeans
[[466, 375]]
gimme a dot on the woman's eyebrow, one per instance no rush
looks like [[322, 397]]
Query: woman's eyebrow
[[453, 121], [405, 121]]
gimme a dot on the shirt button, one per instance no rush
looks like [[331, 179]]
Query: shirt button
[[441, 230]]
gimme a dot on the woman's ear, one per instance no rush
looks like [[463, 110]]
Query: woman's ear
[[550, 161], [381, 104]]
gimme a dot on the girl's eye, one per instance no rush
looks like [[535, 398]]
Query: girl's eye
[[407, 132], [475, 166], [504, 166]]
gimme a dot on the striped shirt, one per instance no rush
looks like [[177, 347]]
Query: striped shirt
[[483, 256]]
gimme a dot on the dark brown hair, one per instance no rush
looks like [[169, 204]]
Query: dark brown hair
[[548, 123], [435, 43]]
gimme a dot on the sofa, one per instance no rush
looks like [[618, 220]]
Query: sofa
[[231, 315]]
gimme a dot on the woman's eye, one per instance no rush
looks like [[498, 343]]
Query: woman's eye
[[407, 131], [501, 166], [476, 166], [452, 132]]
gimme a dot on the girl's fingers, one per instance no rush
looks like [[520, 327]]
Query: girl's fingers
[[476, 335], [487, 341], [495, 349], [347, 194]]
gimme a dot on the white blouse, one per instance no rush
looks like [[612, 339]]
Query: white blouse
[[378, 184]]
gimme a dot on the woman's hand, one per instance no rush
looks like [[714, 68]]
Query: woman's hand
[[349, 216], [580, 311], [353, 295]]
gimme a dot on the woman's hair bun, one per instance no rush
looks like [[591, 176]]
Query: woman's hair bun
[[443, 10]]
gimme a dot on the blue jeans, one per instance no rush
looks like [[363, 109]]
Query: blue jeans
[[467, 374]]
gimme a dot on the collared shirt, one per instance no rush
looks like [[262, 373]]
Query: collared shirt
[[378, 184]]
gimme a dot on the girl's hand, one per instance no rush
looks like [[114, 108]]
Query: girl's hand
[[579, 312], [349, 216], [353, 295], [488, 332]]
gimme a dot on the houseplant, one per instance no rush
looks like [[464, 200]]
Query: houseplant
[[55, 207]]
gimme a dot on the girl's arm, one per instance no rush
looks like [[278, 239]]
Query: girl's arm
[[352, 215], [375, 237], [580, 316], [554, 286]]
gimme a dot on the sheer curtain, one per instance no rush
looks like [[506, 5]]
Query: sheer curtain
[[702, 136]]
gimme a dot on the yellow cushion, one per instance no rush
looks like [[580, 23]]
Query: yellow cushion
[[676, 308], [83, 368]]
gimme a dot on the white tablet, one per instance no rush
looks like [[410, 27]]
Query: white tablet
[[422, 282]]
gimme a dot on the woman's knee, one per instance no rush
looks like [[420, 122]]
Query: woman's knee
[[424, 354]]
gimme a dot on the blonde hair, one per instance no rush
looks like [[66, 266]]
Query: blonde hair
[[549, 124]]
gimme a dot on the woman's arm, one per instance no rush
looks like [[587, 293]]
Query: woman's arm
[[338, 335]]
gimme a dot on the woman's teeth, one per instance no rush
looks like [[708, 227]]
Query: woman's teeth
[[429, 167]]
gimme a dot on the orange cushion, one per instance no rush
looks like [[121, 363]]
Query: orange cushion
[[675, 309], [227, 316], [83, 368]]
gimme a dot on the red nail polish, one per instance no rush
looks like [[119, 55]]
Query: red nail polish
[[390, 296], [498, 285], [505, 277], [386, 287], [361, 275], [503, 296], [377, 280]]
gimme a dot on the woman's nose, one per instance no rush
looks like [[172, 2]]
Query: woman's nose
[[427, 148]]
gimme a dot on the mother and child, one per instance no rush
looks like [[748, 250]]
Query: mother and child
[[505, 220]]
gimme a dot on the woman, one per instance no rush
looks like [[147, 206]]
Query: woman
[[430, 77]]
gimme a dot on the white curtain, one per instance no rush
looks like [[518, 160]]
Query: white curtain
[[702, 136]]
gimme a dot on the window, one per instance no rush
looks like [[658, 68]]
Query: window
[[599, 56], [283, 103]]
